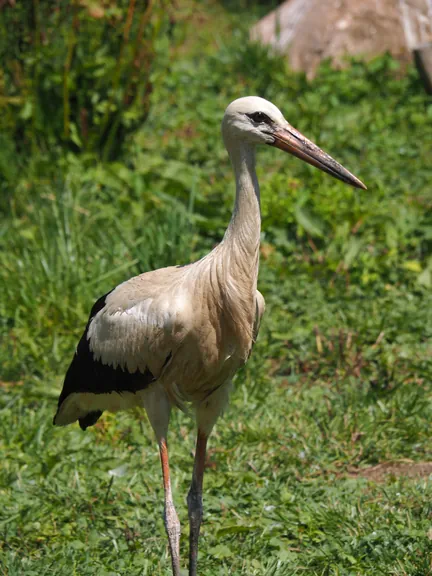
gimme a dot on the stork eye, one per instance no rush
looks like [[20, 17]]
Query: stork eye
[[259, 118]]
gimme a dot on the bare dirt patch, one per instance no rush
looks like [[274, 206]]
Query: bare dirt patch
[[384, 470]]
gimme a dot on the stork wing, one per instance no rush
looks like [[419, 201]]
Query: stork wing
[[259, 311], [128, 341]]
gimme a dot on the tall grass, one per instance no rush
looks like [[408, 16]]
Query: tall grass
[[63, 244]]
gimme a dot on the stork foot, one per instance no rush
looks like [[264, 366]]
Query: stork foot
[[172, 526]]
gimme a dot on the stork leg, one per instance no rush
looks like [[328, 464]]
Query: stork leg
[[158, 409], [172, 524], [206, 415], [194, 501]]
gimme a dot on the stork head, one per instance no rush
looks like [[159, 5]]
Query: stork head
[[257, 121]]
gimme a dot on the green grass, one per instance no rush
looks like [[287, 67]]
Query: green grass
[[340, 379]]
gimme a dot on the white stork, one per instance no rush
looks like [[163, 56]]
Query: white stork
[[177, 335]]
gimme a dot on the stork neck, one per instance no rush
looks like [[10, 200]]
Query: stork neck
[[245, 226]]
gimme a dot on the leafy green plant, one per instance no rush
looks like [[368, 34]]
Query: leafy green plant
[[77, 72]]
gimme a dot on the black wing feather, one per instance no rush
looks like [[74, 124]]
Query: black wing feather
[[86, 374]]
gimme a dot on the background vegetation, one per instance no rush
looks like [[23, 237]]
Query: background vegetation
[[111, 163]]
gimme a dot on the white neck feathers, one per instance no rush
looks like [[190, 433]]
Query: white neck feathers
[[244, 229]]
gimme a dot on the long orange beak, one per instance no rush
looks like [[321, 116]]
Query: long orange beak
[[292, 141]]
